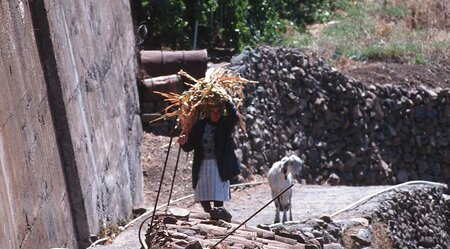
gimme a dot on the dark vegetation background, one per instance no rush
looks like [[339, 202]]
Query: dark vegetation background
[[228, 23], [412, 32]]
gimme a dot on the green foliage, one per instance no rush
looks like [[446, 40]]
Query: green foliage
[[229, 23], [441, 45], [294, 37], [396, 51], [264, 22], [419, 59], [344, 31], [395, 12], [307, 11], [377, 30], [360, 30], [166, 23]]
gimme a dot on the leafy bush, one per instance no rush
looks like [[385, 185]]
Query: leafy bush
[[166, 23], [229, 23]]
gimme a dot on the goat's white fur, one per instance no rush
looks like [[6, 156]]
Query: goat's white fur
[[280, 177]]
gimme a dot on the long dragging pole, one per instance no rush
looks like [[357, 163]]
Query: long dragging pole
[[159, 191], [173, 177], [267, 204], [161, 181]]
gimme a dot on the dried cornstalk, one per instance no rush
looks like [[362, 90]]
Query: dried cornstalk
[[220, 86]]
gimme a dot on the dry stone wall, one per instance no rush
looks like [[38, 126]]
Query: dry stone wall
[[344, 131], [69, 121], [416, 218]]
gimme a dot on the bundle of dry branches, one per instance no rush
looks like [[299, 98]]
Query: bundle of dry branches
[[220, 86]]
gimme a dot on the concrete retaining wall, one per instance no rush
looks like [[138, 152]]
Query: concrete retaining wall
[[69, 125]]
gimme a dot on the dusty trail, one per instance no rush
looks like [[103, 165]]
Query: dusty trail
[[309, 201]]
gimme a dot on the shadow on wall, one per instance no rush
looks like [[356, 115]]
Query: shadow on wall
[[69, 124]]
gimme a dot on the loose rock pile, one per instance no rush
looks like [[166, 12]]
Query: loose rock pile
[[412, 216], [199, 231], [343, 129], [416, 218], [409, 217]]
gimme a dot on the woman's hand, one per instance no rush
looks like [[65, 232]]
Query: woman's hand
[[181, 139]]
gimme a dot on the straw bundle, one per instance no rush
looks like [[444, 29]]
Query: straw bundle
[[220, 86]]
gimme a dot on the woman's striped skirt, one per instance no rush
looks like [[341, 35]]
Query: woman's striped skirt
[[210, 186]]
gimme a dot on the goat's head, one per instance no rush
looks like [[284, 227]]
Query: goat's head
[[293, 165]]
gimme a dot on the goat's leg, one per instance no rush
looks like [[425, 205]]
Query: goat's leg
[[277, 212], [277, 216], [290, 211], [284, 215]]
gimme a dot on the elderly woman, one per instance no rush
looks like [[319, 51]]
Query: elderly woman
[[215, 162]]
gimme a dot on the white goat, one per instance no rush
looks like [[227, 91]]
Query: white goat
[[280, 177]]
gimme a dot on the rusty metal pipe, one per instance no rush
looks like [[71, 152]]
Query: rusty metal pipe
[[158, 63], [168, 83]]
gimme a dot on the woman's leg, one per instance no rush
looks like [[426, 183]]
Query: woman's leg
[[206, 206], [218, 203]]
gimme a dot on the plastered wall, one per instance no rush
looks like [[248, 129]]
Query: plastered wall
[[69, 125]]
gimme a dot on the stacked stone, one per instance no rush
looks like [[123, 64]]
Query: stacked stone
[[378, 134], [416, 218]]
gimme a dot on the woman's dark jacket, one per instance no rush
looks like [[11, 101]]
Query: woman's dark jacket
[[227, 162]]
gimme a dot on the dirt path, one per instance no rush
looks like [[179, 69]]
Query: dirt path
[[309, 201]]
